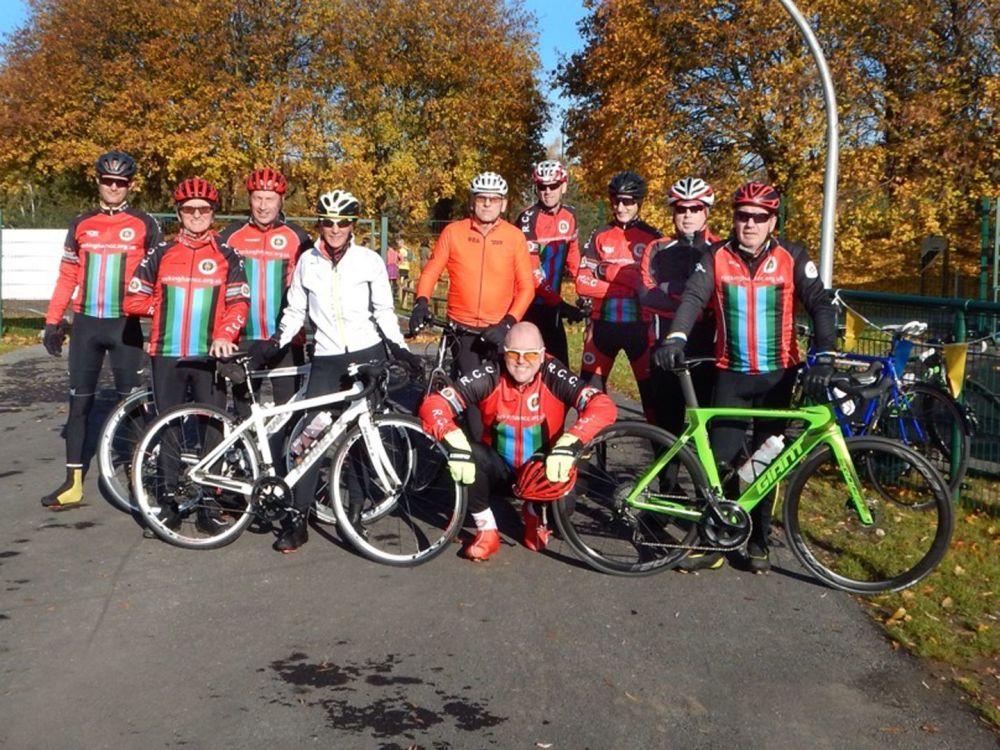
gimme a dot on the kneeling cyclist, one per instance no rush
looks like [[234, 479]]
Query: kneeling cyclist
[[524, 405]]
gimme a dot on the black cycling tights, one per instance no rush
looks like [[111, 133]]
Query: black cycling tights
[[121, 340]]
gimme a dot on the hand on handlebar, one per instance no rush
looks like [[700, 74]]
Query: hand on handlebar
[[816, 379], [420, 316], [496, 334], [263, 352], [572, 313]]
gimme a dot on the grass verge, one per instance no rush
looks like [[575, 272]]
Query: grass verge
[[18, 332]]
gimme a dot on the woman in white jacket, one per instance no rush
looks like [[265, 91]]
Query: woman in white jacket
[[343, 288]]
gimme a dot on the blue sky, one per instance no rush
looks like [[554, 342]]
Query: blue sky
[[556, 28]]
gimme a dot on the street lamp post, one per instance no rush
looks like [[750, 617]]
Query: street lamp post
[[832, 147]]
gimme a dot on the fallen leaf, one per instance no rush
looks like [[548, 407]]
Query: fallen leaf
[[959, 570], [930, 728]]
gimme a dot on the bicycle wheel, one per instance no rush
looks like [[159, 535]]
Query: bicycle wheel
[[411, 513], [120, 434], [928, 420], [600, 526], [200, 516], [909, 504]]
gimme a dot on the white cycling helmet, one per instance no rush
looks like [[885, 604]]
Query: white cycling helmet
[[549, 172], [689, 190], [338, 204], [488, 182]]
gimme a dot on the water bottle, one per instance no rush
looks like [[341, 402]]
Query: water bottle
[[847, 406], [764, 455], [312, 430]]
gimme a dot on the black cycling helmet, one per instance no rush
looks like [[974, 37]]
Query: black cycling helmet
[[627, 183], [116, 164]]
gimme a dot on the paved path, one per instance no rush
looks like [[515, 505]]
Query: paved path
[[108, 640]]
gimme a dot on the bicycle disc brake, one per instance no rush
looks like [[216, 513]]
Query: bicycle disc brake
[[271, 497], [727, 530]]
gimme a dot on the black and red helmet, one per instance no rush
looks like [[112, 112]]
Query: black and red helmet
[[531, 483], [266, 179], [757, 194], [627, 183], [195, 187]]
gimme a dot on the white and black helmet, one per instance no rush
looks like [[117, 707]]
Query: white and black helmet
[[689, 190], [549, 172], [488, 182], [338, 204]]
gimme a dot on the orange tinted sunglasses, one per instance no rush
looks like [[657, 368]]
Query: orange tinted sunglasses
[[528, 355]]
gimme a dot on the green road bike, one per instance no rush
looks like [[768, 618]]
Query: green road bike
[[864, 514]]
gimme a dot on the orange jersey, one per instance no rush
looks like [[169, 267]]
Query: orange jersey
[[489, 275]]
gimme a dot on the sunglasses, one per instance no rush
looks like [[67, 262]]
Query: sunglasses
[[195, 210], [114, 182], [624, 200], [554, 186], [327, 223], [486, 200], [528, 355], [688, 209], [748, 216]]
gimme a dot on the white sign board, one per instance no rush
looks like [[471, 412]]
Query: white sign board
[[30, 259]]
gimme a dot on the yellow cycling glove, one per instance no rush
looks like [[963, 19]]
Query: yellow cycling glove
[[560, 458], [460, 463]]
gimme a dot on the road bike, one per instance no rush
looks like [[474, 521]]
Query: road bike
[[129, 419], [918, 413], [222, 475], [863, 514]]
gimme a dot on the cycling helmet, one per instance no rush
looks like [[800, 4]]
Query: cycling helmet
[[691, 190], [757, 194], [116, 164], [549, 172], [530, 482], [266, 179], [338, 204], [488, 182], [195, 187], [627, 183]]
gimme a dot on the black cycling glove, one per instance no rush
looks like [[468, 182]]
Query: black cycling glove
[[816, 379], [53, 337], [572, 313], [670, 356], [496, 334], [420, 316]]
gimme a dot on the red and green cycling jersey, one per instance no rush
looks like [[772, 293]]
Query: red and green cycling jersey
[[195, 291], [554, 249], [610, 274], [520, 420], [269, 258], [754, 302], [100, 255]]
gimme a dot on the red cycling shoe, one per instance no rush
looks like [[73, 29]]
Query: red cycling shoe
[[484, 546], [536, 533]]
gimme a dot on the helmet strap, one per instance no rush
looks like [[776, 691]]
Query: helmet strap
[[109, 209]]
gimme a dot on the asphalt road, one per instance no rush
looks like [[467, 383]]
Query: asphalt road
[[109, 640]]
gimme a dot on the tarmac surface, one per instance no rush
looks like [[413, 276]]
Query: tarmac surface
[[109, 640]]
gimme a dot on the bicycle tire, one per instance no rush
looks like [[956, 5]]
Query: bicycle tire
[[116, 445], [607, 533], [924, 419], [911, 531], [400, 525], [206, 518]]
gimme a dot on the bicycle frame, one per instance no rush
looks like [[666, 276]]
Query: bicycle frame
[[821, 428], [262, 417]]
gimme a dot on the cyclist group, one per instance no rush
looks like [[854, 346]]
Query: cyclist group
[[255, 285]]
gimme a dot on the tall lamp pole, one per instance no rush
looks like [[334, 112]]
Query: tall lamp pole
[[832, 147]]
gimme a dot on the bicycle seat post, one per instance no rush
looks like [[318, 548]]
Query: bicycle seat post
[[687, 387]]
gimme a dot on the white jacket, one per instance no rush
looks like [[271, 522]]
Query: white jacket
[[341, 301]]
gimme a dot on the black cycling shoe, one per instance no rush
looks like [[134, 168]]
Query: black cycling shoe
[[758, 558], [211, 520], [354, 518], [168, 514], [293, 535]]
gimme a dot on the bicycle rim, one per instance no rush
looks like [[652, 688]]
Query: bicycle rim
[[200, 516], [602, 528], [116, 445], [412, 517], [908, 500]]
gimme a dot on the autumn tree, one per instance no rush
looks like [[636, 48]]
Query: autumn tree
[[729, 91], [399, 102]]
